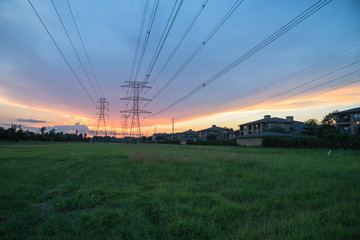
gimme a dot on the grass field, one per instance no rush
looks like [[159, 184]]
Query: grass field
[[147, 191]]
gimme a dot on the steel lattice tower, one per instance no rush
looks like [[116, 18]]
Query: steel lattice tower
[[124, 125], [135, 98], [102, 112]]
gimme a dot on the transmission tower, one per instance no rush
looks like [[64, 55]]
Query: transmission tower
[[136, 88], [124, 125], [102, 109]]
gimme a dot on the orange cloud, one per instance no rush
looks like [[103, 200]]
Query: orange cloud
[[70, 118]]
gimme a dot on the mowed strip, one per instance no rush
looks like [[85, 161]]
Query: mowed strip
[[148, 191]]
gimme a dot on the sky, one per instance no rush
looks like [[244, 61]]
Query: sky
[[307, 72]]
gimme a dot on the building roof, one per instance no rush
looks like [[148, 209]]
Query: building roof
[[353, 110], [190, 131], [270, 134], [299, 127], [214, 128], [269, 120]]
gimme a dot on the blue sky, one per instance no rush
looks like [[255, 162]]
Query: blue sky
[[36, 83]]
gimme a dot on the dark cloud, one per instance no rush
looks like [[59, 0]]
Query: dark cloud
[[82, 128], [30, 120]]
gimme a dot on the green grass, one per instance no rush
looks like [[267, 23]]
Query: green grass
[[139, 191]]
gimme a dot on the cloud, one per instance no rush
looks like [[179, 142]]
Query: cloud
[[82, 128], [30, 120]]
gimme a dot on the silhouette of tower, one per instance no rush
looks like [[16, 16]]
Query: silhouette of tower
[[102, 112], [135, 98]]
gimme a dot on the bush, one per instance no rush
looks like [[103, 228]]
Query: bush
[[332, 140], [222, 142]]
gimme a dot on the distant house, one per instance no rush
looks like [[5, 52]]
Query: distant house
[[348, 121], [187, 135], [233, 134], [217, 132], [162, 136], [273, 124]]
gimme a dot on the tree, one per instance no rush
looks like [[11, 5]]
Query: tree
[[42, 130], [52, 132], [312, 125], [329, 121]]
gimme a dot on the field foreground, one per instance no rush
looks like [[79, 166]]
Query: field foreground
[[146, 191]]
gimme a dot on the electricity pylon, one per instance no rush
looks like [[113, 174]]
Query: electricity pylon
[[102, 112], [135, 98]]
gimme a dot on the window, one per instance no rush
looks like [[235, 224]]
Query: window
[[357, 116]]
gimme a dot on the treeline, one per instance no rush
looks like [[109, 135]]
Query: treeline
[[16, 133]]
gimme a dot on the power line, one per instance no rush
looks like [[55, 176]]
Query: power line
[[197, 50], [301, 17], [308, 82], [180, 41], [291, 75], [152, 18], [163, 39], [73, 47], [326, 91], [83, 45], [322, 84], [139, 39], [57, 46]]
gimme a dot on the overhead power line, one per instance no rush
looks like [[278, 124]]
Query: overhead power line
[[57, 46], [202, 44], [323, 92], [289, 76], [139, 38], [163, 38], [297, 20], [309, 89], [180, 41], [151, 23], [73, 47], [86, 53]]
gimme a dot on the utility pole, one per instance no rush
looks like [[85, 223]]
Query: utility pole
[[136, 88], [102, 109]]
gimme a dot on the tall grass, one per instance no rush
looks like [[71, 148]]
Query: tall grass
[[139, 191]]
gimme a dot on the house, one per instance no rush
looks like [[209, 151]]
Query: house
[[233, 134], [252, 133], [348, 121], [214, 131], [273, 124], [162, 136], [187, 135]]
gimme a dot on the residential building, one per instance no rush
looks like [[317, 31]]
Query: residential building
[[217, 132], [252, 133], [348, 121], [233, 134], [187, 135], [273, 124]]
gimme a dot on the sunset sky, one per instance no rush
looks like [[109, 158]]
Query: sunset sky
[[308, 72]]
